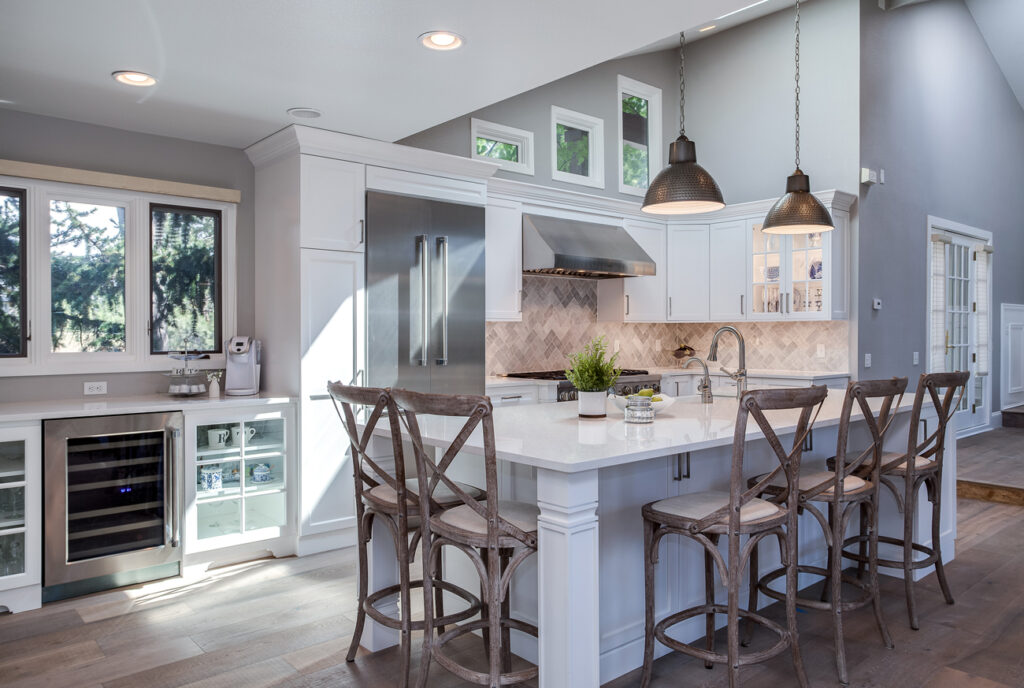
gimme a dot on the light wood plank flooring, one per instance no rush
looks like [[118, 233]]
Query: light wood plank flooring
[[995, 457], [288, 622]]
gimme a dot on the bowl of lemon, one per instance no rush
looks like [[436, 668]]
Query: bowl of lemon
[[659, 401]]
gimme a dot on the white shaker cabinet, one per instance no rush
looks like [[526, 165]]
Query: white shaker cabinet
[[332, 203], [504, 260], [687, 271], [637, 299], [728, 271]]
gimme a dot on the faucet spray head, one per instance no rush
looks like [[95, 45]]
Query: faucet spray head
[[713, 353]]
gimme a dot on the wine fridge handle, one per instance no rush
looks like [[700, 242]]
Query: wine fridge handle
[[173, 457]]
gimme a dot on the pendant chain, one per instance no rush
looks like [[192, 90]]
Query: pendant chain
[[797, 108], [682, 86]]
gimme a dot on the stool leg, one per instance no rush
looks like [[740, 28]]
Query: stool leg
[[438, 572], [645, 678], [357, 634], [862, 546], [908, 554], [748, 624], [494, 616], [826, 584], [485, 613], [506, 613], [940, 570], [405, 641], [835, 568], [735, 572], [428, 619], [709, 599], [876, 593], [791, 592]]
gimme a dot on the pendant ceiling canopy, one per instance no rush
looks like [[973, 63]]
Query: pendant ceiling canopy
[[799, 211], [684, 187]]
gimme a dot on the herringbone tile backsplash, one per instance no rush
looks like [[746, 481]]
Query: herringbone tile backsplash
[[560, 316]]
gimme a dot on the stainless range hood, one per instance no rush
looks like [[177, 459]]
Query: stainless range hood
[[570, 248]]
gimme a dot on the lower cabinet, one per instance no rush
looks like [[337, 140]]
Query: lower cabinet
[[20, 518], [239, 478]]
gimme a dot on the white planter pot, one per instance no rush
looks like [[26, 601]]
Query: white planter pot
[[592, 404]]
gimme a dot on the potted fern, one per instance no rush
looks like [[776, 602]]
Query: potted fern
[[592, 375]]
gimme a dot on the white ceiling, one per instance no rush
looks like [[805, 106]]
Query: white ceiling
[[1001, 23], [228, 69]]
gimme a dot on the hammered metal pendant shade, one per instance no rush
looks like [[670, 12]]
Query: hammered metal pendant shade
[[799, 211], [684, 187]]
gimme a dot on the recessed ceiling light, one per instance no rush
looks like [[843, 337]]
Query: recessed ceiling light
[[441, 40], [304, 112], [706, 28], [729, 14], [130, 78]]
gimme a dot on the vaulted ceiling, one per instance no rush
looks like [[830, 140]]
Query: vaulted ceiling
[[228, 69], [1002, 25]]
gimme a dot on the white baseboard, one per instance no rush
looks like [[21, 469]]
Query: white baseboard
[[325, 542]]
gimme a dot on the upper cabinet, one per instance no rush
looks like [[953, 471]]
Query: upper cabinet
[[728, 271], [332, 194], [637, 299], [504, 260], [688, 273]]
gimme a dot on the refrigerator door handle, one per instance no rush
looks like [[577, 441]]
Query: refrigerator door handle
[[442, 247], [421, 241]]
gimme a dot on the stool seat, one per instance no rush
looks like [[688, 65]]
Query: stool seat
[[698, 505], [811, 479], [443, 495], [464, 518]]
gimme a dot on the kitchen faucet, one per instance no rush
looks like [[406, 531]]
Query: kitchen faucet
[[704, 387], [740, 376]]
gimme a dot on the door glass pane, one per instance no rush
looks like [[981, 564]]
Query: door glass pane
[[12, 272], [573, 149], [12, 462], [265, 511], [214, 519], [87, 277], [184, 278]]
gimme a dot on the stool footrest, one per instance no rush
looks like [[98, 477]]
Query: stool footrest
[[845, 605], [478, 677], [745, 657], [417, 624], [929, 560]]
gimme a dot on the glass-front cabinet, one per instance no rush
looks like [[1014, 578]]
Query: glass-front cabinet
[[240, 478], [790, 275], [20, 535]]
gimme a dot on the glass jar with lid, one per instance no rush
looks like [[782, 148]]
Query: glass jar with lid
[[639, 409]]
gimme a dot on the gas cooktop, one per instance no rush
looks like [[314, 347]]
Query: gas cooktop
[[560, 374]]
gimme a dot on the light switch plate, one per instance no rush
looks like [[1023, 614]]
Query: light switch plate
[[917, 358], [867, 360]]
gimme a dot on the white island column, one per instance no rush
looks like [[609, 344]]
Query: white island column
[[567, 579]]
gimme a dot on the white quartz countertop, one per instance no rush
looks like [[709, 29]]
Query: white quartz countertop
[[713, 368], [552, 436], [493, 381], [13, 412]]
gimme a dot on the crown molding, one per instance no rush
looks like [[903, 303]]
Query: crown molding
[[332, 144]]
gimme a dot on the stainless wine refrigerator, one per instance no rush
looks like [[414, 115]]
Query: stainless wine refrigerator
[[112, 502]]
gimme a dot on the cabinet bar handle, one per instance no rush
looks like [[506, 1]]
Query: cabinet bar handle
[[362, 231], [511, 397], [442, 246], [670, 306], [421, 241], [627, 304], [742, 310]]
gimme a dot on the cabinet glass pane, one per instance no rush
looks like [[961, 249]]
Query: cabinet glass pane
[[218, 441], [264, 474], [12, 507], [215, 480], [214, 519], [12, 462], [265, 511], [12, 554], [807, 273], [766, 271], [262, 436]]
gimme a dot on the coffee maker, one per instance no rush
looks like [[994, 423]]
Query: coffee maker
[[242, 375]]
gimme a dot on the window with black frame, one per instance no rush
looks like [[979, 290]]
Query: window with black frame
[[13, 277], [185, 279]]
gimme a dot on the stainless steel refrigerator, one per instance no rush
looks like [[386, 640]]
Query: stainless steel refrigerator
[[424, 294]]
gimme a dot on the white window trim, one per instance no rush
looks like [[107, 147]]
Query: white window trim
[[40, 360], [595, 127], [652, 94], [499, 132]]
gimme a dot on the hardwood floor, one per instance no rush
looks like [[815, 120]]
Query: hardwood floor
[[288, 623], [994, 458]]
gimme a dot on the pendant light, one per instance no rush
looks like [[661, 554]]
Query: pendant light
[[799, 211], [684, 187]]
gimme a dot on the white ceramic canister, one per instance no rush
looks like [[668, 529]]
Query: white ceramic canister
[[592, 404]]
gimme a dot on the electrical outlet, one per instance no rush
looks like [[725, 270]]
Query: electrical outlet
[[616, 346], [820, 353], [867, 360], [95, 388], [917, 358]]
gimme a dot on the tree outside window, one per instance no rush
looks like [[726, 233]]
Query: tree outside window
[[12, 272]]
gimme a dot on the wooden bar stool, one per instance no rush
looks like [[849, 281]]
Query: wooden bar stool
[[854, 487], [496, 537], [395, 501], [920, 465], [707, 516]]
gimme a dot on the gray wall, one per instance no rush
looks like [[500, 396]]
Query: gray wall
[[938, 115], [33, 138], [739, 105]]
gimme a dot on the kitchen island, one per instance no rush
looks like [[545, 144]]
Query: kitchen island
[[590, 477]]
